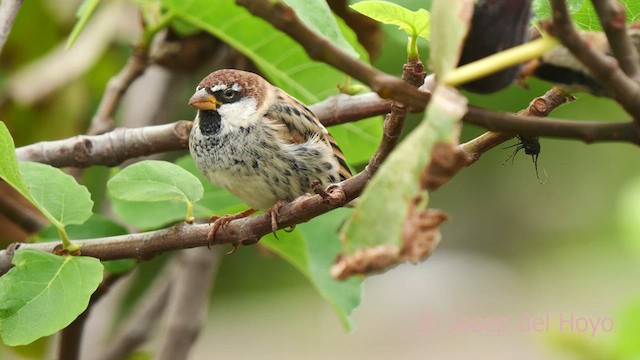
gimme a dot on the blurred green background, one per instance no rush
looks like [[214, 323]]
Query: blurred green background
[[514, 248]]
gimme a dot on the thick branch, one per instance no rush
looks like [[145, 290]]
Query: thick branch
[[614, 22], [8, 12], [109, 149], [319, 48], [604, 68], [182, 236]]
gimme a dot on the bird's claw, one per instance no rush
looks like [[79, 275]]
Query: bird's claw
[[219, 222]]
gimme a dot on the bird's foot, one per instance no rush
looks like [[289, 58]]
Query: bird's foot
[[219, 222], [274, 213]]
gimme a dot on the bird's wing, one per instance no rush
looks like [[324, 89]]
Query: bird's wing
[[296, 124]]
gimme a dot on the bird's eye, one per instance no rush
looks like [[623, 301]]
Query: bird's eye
[[229, 94]]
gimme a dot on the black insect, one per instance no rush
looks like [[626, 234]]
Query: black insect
[[531, 146]]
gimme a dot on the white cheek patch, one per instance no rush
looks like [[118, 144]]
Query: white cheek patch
[[239, 114]]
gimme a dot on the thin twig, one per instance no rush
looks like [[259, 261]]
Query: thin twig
[[605, 68], [280, 15], [413, 73], [614, 23], [116, 88], [539, 107], [188, 301], [8, 12], [587, 131], [340, 109]]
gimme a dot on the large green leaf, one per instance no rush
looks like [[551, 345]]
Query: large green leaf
[[312, 248], [282, 60], [147, 215], [61, 199], [44, 293], [382, 208], [9, 169], [57, 195], [153, 181], [318, 15], [584, 14], [412, 22]]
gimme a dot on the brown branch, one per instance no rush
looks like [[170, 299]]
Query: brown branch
[[413, 73], [588, 131], [340, 109], [8, 12], [116, 88], [188, 301], [614, 23], [320, 48], [182, 236], [604, 68], [119, 145], [109, 149], [113, 148]]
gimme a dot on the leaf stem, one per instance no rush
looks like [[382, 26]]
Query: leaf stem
[[66, 243], [151, 30], [412, 47], [190, 218], [499, 61]]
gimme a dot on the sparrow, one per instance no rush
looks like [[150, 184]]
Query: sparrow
[[259, 143]]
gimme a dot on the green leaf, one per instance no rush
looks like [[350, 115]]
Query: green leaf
[[153, 181], [9, 169], [84, 12], [450, 22], [382, 208], [60, 198], [44, 293], [584, 14], [414, 23], [311, 249], [148, 215], [317, 15], [283, 61]]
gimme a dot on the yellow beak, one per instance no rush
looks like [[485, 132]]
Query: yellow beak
[[203, 101]]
